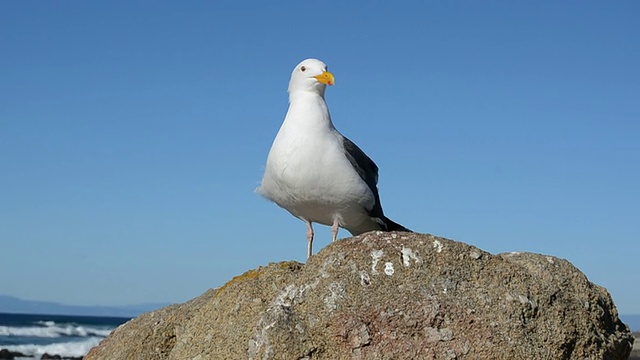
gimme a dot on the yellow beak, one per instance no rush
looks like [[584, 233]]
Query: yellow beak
[[326, 78]]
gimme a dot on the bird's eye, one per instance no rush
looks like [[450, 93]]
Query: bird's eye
[[303, 68]]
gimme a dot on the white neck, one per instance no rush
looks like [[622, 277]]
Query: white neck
[[309, 109]]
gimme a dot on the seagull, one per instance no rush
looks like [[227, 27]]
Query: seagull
[[316, 173]]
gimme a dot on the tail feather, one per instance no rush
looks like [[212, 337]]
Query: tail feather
[[391, 225]]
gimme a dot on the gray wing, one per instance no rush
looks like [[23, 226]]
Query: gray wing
[[368, 171]]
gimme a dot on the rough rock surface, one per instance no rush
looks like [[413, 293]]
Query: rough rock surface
[[388, 296]]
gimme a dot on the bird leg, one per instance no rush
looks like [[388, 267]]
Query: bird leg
[[334, 230], [309, 238]]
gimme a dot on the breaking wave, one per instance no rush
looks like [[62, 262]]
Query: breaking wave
[[64, 349], [50, 329]]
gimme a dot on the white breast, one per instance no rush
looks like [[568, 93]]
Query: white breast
[[307, 172]]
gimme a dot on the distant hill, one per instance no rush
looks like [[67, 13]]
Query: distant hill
[[10, 304]]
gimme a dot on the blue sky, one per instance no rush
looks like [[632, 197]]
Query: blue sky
[[133, 135]]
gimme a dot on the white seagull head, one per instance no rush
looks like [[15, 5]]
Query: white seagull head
[[310, 75]]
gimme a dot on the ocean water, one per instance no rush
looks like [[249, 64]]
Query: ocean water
[[67, 336]]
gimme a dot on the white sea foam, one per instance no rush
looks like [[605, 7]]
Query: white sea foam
[[64, 349], [46, 323], [53, 331]]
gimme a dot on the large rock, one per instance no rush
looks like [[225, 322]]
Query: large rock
[[388, 296]]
